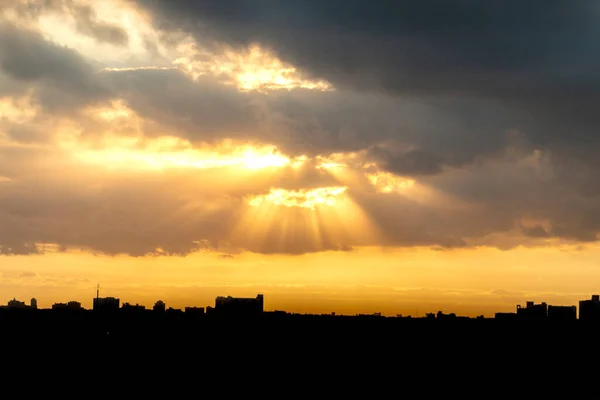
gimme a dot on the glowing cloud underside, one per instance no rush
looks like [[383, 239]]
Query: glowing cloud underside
[[303, 198], [171, 152], [385, 182], [253, 69], [17, 110]]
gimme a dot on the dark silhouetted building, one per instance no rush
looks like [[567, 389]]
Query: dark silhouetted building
[[133, 307], [174, 311], [106, 304], [14, 303], [562, 313], [71, 306], [589, 310], [33, 304], [159, 306], [239, 305], [441, 315], [506, 316], [74, 305], [59, 306], [532, 311]]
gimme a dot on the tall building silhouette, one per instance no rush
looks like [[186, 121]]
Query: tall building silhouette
[[106, 303]]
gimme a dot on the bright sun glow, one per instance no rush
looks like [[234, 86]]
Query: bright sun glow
[[134, 151], [169, 152], [386, 182], [304, 198]]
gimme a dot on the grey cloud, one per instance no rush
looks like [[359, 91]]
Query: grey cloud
[[535, 231], [200, 110], [501, 65], [63, 79], [411, 162], [440, 133]]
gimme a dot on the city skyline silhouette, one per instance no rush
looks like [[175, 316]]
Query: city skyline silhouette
[[588, 309]]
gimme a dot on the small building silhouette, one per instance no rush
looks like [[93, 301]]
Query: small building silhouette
[[589, 310], [239, 305], [562, 313], [133, 307], [70, 306], [33, 304], [159, 306], [532, 311], [14, 303]]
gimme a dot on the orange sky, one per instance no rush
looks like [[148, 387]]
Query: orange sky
[[367, 280]]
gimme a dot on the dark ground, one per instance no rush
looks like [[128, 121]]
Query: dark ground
[[148, 353]]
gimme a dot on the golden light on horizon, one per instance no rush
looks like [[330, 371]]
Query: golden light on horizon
[[304, 198]]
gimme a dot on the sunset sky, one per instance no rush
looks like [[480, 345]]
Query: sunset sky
[[345, 156]]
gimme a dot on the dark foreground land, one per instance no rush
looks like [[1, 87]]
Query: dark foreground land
[[272, 331], [145, 352]]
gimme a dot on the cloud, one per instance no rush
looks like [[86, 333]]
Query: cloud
[[63, 79], [463, 46], [533, 66], [87, 24], [448, 134]]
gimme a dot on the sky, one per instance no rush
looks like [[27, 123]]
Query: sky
[[337, 156]]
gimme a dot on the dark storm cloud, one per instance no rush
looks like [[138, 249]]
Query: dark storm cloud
[[507, 49], [532, 65], [64, 79]]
